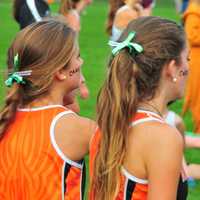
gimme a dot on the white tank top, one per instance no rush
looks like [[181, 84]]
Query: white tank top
[[170, 118]]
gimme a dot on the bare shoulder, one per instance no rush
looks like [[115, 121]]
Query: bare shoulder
[[168, 133], [161, 134], [124, 17], [75, 122], [163, 147], [72, 134], [73, 20], [73, 14]]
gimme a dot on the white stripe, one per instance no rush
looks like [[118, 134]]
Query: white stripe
[[40, 108], [55, 145], [22, 73], [125, 191], [133, 178], [81, 184], [63, 181], [33, 10], [139, 121]]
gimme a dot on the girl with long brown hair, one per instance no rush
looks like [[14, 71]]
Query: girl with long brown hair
[[134, 154], [43, 143]]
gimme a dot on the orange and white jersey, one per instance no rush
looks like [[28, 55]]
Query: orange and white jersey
[[33, 167], [131, 187]]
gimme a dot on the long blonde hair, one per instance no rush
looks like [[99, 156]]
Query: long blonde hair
[[35, 46], [131, 78]]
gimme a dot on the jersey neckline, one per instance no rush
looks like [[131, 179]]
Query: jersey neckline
[[40, 108]]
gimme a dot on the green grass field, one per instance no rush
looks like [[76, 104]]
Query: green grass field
[[95, 52]]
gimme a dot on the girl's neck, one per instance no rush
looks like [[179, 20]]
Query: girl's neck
[[156, 105], [44, 101]]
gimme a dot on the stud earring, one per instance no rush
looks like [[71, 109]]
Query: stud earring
[[64, 77], [174, 80]]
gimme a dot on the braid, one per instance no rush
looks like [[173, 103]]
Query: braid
[[8, 112]]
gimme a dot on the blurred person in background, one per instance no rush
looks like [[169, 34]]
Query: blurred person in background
[[191, 21], [26, 12], [121, 12]]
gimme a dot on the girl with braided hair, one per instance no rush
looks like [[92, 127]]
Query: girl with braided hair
[[43, 143]]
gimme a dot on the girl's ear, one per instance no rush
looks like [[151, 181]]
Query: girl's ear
[[171, 69], [60, 75]]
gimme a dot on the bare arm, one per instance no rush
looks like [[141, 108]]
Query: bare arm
[[124, 17], [163, 162]]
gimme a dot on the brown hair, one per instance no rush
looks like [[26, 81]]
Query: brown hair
[[114, 5], [37, 52], [67, 5], [131, 78]]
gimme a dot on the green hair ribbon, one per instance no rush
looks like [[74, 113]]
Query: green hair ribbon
[[118, 46], [15, 77]]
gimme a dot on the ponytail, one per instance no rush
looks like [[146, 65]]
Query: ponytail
[[133, 75], [116, 105]]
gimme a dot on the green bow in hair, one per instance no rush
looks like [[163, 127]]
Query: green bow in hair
[[15, 77], [126, 43]]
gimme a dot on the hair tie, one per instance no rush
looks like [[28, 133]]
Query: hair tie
[[132, 46], [15, 76]]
